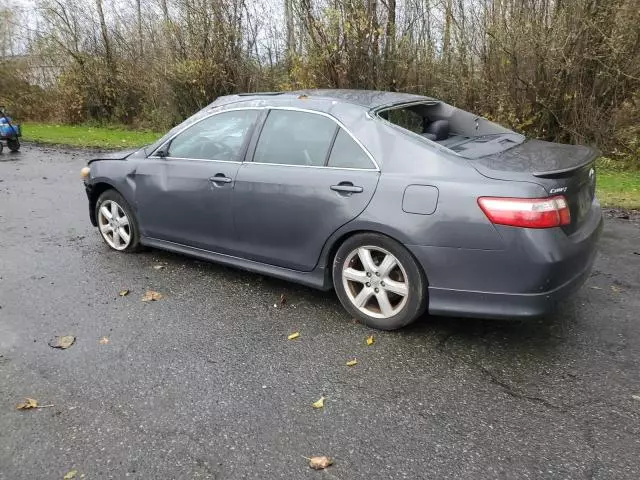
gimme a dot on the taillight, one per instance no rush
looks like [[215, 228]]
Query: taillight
[[527, 212]]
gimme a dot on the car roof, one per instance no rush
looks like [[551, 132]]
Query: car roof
[[369, 99]]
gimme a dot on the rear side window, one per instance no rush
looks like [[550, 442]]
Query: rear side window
[[295, 138], [346, 153]]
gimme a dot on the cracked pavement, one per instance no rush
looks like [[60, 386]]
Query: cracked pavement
[[205, 384]]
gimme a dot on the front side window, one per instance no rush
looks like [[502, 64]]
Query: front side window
[[290, 137], [219, 137], [346, 153]]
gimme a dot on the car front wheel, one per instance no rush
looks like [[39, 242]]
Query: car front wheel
[[116, 222], [378, 281]]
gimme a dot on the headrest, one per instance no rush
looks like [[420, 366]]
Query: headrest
[[438, 128]]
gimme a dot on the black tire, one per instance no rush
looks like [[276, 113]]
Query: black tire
[[13, 144], [113, 196], [416, 299]]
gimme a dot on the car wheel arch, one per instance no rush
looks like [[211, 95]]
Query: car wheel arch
[[97, 189], [332, 247]]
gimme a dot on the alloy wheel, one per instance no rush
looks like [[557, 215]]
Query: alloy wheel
[[375, 281], [114, 225]]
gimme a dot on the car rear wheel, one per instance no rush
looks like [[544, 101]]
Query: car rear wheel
[[378, 281], [116, 222]]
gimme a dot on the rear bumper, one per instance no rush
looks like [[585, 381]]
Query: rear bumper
[[538, 269], [465, 303]]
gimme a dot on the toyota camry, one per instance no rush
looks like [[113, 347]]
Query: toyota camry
[[401, 203]]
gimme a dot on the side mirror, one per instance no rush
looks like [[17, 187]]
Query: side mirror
[[162, 153]]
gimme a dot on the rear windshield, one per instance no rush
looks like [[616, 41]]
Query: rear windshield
[[461, 132]]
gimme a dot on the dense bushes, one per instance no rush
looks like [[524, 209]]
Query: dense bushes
[[563, 70]]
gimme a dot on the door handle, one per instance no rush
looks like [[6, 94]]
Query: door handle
[[220, 178], [346, 187]]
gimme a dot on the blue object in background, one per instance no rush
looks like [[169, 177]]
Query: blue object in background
[[7, 129]]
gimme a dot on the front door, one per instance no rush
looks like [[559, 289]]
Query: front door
[[183, 190], [308, 177]]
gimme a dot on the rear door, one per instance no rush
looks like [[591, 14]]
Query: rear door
[[308, 177], [183, 195]]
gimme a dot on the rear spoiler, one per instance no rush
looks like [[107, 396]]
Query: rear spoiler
[[563, 171]]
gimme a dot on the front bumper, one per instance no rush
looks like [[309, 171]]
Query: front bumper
[[527, 279]]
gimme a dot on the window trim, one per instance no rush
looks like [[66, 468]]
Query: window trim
[[249, 152]]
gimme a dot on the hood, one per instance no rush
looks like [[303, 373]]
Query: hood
[[119, 155]]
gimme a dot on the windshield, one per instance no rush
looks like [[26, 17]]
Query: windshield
[[460, 132]]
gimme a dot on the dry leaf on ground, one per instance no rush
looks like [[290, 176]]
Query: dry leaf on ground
[[636, 397], [123, 293], [103, 340], [28, 404], [158, 267], [283, 300], [371, 340], [351, 363], [70, 474], [151, 296], [320, 463], [318, 403], [615, 289], [63, 342], [293, 336]]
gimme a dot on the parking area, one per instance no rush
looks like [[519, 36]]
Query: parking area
[[203, 383]]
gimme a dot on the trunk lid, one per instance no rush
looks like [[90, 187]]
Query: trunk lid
[[567, 170]]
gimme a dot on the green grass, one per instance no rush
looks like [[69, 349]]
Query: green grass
[[615, 188], [86, 136], [619, 189]]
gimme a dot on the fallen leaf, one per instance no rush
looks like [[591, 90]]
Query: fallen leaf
[[28, 404], [596, 288], [124, 293], [371, 340], [151, 296], [104, 340], [70, 474], [158, 267], [615, 289], [320, 463], [351, 363], [319, 403], [293, 336], [283, 300], [63, 342], [636, 397]]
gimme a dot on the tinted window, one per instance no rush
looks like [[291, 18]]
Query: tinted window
[[346, 153], [295, 138], [219, 137]]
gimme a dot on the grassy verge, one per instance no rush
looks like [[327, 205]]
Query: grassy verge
[[86, 136], [619, 189], [615, 188]]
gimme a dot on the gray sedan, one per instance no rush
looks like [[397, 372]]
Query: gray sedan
[[401, 203]]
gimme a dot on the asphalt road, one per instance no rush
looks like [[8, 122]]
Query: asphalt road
[[205, 384]]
